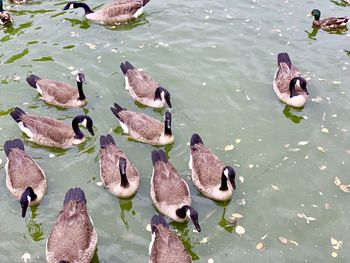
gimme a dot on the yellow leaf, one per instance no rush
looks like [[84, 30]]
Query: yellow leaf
[[334, 254], [324, 130]]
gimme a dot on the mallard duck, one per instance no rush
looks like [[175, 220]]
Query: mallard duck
[[51, 132], [60, 93], [113, 13], [169, 191], [117, 173], [73, 237], [5, 17], [143, 88], [144, 128], [24, 177], [165, 246], [288, 84], [331, 23], [210, 176]]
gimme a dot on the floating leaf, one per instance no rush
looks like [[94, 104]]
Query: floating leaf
[[99, 183], [345, 188], [323, 167], [294, 242], [25, 257], [302, 143], [241, 178], [327, 206], [324, 130], [283, 240], [260, 246], [320, 148], [294, 149], [238, 141], [229, 147], [264, 236], [337, 181], [240, 230], [204, 240], [210, 260], [334, 241], [275, 187], [236, 216], [149, 228], [251, 165]]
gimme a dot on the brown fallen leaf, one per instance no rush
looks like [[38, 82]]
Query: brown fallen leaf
[[345, 188]]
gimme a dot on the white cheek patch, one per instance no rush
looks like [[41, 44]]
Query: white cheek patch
[[297, 83], [29, 198], [71, 6], [77, 78], [84, 122], [226, 172], [188, 213], [162, 94]]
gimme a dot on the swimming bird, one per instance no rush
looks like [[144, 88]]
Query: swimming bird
[[25, 179], [52, 132], [73, 237], [331, 23], [211, 177], [119, 176], [288, 84], [19, 2], [112, 13], [60, 93], [144, 128], [5, 17], [165, 246], [169, 191], [143, 88]]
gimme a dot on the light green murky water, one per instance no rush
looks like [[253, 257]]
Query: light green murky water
[[218, 59]]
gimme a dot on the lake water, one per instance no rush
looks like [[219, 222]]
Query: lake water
[[218, 59]]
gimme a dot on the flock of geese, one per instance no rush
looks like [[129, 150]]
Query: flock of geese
[[73, 237]]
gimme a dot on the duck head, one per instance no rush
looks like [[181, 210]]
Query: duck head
[[316, 14]]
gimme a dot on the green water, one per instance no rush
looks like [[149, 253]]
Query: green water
[[217, 58]]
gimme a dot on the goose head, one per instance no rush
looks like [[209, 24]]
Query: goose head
[[191, 213], [163, 95], [80, 78], [84, 120], [300, 82], [167, 123], [122, 169], [228, 173], [69, 5], [27, 196]]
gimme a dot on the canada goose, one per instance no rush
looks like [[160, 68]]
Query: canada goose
[[73, 238], [51, 132], [112, 13], [60, 93], [144, 128], [117, 173], [143, 88], [331, 23], [5, 17], [19, 2], [209, 174], [288, 84], [169, 192], [24, 177], [165, 246]]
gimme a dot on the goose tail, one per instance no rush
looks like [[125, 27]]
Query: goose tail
[[116, 109], [106, 140], [196, 139], [32, 80], [158, 220], [145, 2], [158, 156], [17, 113], [74, 194], [284, 58], [12, 144]]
